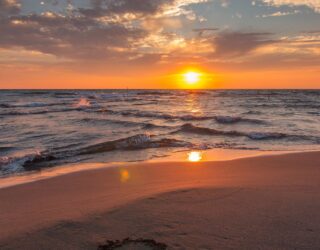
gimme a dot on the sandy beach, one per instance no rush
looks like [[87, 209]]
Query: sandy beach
[[265, 202], [159, 124]]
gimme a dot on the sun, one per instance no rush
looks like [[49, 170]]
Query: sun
[[195, 156], [192, 77]]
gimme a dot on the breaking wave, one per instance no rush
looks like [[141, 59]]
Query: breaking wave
[[189, 128], [218, 119], [146, 114], [9, 165], [38, 112], [72, 124], [266, 136], [236, 119], [140, 141], [29, 105]]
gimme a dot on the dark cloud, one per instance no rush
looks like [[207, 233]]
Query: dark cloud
[[70, 37], [229, 43], [9, 7], [311, 32], [205, 31], [118, 7], [80, 33], [101, 32], [276, 61]]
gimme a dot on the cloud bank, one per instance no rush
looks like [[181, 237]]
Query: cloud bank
[[314, 4], [148, 32]]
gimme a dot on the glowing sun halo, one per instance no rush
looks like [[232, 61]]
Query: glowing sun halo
[[194, 156], [191, 77]]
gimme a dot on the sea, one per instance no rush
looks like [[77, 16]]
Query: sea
[[42, 129]]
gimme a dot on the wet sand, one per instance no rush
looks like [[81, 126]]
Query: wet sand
[[265, 202]]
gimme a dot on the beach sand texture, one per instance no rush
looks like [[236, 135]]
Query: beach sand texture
[[266, 202]]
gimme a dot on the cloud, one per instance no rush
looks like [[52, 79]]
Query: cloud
[[204, 31], [107, 30], [132, 6], [280, 13], [120, 7], [139, 8], [230, 43], [9, 7], [286, 52], [69, 37], [138, 32], [314, 4]]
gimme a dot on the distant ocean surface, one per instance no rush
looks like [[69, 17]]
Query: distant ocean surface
[[40, 129]]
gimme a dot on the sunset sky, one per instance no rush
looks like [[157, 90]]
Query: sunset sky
[[150, 43]]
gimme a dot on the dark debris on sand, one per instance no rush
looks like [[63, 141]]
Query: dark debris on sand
[[132, 244]]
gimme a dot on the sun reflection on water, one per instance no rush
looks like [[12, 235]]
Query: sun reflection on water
[[83, 102]]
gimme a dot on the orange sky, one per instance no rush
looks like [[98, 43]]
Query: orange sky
[[60, 79], [149, 43]]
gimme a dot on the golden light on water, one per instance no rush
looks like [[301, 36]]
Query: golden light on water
[[195, 156], [83, 102]]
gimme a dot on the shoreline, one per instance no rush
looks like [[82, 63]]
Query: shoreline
[[149, 200], [212, 155]]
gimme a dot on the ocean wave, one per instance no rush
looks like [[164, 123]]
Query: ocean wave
[[277, 105], [191, 117], [4, 149], [30, 105], [127, 99], [143, 125], [64, 94], [136, 113], [18, 113], [39, 112], [35, 92], [171, 92], [150, 125], [119, 97], [265, 136], [314, 113], [194, 118], [247, 93], [10, 165], [189, 128], [252, 112], [4, 105], [140, 141], [303, 106], [236, 119], [83, 103], [144, 103], [38, 160], [147, 114], [153, 93], [76, 119]]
